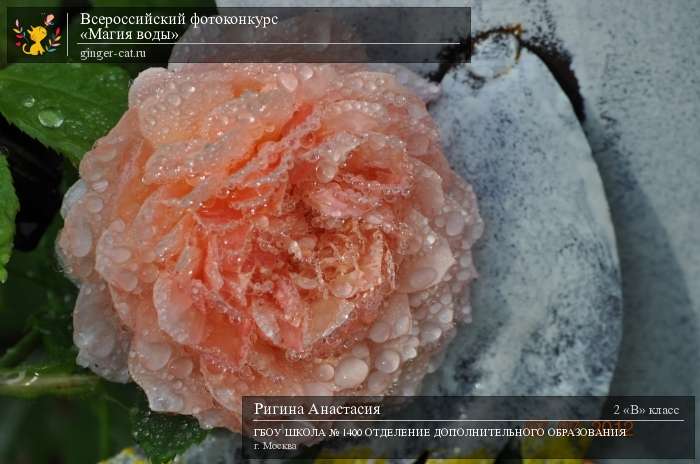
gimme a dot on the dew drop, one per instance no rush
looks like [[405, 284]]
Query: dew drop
[[409, 353], [94, 205], [288, 81], [167, 402], [380, 331], [422, 278], [446, 298], [430, 333], [126, 281], [387, 361], [325, 372], [81, 240], [295, 250], [325, 171], [51, 118], [155, 355], [445, 316], [342, 289], [121, 255], [28, 102], [351, 372], [455, 224], [306, 72], [402, 325], [100, 186], [377, 382], [109, 155], [360, 350]]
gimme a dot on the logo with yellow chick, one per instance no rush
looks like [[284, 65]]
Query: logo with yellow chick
[[37, 40]]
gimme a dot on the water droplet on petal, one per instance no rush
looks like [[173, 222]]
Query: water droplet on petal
[[380, 331], [121, 255], [387, 361], [445, 316], [155, 355], [325, 372], [81, 240], [430, 333], [351, 372], [100, 186], [28, 102], [377, 382], [342, 289], [360, 350], [288, 81], [455, 224], [94, 204], [422, 278], [325, 171], [306, 72]]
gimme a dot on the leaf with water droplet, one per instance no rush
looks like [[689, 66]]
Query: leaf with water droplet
[[9, 205], [163, 436], [50, 102], [50, 117], [28, 102]]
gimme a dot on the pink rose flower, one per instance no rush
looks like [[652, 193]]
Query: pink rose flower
[[267, 230]]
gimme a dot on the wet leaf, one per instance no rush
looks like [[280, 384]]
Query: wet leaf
[[65, 106], [9, 205], [163, 436], [36, 288]]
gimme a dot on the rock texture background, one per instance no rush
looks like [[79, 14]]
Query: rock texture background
[[547, 307], [637, 71]]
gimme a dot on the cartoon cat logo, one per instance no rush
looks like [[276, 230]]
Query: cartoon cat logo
[[31, 40]]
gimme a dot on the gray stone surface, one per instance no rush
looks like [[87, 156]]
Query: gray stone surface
[[547, 307], [637, 66]]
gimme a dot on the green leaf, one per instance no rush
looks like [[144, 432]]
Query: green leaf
[[163, 436], [37, 288], [9, 205], [65, 106]]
